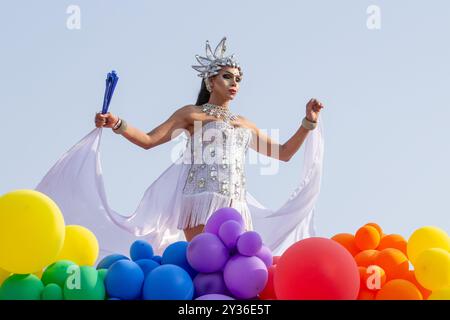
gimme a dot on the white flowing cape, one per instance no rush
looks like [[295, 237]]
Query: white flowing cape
[[75, 183]]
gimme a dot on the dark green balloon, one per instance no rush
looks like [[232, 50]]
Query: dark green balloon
[[21, 287], [57, 273], [85, 283], [52, 292]]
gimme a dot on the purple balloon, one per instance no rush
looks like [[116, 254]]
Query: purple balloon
[[229, 233], [220, 216], [249, 243], [214, 297], [245, 277], [265, 255], [206, 253], [208, 283]]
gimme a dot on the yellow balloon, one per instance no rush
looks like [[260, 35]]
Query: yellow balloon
[[3, 275], [31, 231], [39, 274], [426, 238], [442, 294], [432, 269], [80, 246]]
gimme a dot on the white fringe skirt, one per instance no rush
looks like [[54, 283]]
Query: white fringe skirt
[[197, 208]]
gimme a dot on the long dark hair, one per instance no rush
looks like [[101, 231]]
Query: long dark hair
[[203, 95]]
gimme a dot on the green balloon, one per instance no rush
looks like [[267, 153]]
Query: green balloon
[[57, 272], [102, 273], [52, 292], [21, 287], [84, 283]]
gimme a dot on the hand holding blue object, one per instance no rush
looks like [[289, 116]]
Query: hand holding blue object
[[111, 82]]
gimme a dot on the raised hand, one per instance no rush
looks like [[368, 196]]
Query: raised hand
[[313, 108]]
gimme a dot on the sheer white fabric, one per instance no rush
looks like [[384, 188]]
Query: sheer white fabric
[[75, 183]]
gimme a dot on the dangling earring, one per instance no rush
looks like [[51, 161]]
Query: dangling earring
[[208, 85]]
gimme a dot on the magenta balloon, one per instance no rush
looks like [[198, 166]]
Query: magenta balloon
[[245, 277], [249, 243], [206, 253], [220, 216], [265, 255], [208, 283], [229, 233], [214, 296]]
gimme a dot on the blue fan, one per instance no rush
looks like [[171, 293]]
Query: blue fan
[[111, 82]]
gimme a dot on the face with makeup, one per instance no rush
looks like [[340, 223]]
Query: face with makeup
[[226, 84]]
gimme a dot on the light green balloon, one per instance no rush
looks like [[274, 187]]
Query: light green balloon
[[84, 283], [21, 287], [52, 292], [57, 273]]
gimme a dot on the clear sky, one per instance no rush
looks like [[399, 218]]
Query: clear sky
[[385, 87]]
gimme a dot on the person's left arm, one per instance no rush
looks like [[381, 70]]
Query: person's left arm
[[263, 144]]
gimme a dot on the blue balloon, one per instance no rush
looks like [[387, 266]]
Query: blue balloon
[[168, 282], [107, 261], [157, 259], [141, 249], [124, 280], [176, 254], [147, 265]]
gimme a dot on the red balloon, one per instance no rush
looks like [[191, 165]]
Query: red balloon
[[316, 269], [275, 259], [268, 292]]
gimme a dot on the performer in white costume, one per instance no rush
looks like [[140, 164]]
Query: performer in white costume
[[207, 176]]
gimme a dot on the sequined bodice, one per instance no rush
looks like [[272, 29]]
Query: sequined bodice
[[217, 157]]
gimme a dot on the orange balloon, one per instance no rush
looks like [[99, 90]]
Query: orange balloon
[[366, 294], [362, 274], [376, 226], [367, 238], [393, 262], [375, 277], [395, 241], [366, 258], [410, 276], [347, 240], [372, 278], [399, 289]]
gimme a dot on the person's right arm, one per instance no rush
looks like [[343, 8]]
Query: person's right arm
[[161, 134]]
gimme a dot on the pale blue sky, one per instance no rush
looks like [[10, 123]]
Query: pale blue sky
[[385, 92]]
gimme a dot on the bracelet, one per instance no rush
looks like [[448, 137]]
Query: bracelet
[[122, 127], [117, 125], [308, 124]]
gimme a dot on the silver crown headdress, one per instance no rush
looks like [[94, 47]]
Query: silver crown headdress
[[213, 62]]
